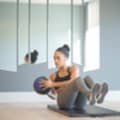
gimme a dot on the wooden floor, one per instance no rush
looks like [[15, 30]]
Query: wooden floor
[[39, 111]]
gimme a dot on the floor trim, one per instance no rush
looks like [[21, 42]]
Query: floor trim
[[22, 97]]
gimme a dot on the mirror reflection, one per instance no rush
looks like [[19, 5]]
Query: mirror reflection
[[8, 35], [38, 30], [23, 31]]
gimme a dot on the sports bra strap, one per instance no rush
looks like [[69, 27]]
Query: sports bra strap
[[68, 70], [57, 74]]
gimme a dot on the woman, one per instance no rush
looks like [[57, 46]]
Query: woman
[[71, 90], [33, 56]]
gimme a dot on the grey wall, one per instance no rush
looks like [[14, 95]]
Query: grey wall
[[22, 80], [110, 56]]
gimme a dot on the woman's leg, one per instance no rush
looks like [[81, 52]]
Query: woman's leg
[[89, 82], [81, 86], [66, 99], [80, 101], [102, 91], [90, 93]]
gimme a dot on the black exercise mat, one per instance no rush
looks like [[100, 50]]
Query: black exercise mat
[[89, 111]]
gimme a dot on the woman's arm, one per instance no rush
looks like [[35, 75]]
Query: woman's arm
[[52, 77], [52, 84], [60, 89], [74, 74]]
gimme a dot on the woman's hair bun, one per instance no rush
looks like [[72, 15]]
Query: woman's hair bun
[[35, 52], [65, 46]]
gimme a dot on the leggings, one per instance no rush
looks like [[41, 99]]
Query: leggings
[[75, 94]]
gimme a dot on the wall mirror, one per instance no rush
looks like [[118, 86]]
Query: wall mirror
[[8, 35], [36, 28], [23, 30], [32, 31], [38, 31]]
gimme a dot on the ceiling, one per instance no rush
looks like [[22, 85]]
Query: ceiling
[[77, 2]]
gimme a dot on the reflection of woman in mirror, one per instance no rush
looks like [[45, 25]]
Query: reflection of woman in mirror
[[33, 55]]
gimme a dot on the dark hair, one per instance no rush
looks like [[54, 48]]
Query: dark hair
[[33, 55], [64, 49]]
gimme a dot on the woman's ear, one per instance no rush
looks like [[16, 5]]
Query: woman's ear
[[65, 58]]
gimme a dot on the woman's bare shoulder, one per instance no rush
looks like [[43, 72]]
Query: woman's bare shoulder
[[53, 76], [74, 68]]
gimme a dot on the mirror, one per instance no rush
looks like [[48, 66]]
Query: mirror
[[8, 35], [32, 31], [35, 29], [38, 31], [78, 31], [59, 27], [23, 28]]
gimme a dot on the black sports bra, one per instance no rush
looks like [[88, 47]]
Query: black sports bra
[[65, 78]]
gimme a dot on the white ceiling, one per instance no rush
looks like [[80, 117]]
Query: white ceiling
[[77, 2]]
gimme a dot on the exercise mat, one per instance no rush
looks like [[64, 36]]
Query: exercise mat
[[89, 111]]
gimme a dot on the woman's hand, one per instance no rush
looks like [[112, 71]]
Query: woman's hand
[[54, 91], [46, 83]]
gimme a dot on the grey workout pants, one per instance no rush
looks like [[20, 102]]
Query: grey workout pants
[[75, 94]]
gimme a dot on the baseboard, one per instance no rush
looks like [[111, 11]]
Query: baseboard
[[113, 96], [23, 97], [32, 97]]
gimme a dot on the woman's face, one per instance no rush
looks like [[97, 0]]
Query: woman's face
[[59, 59], [26, 61]]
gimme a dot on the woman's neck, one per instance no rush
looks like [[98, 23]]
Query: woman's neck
[[63, 68]]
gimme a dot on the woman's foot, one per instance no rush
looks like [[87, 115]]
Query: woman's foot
[[102, 93], [94, 93], [52, 95]]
